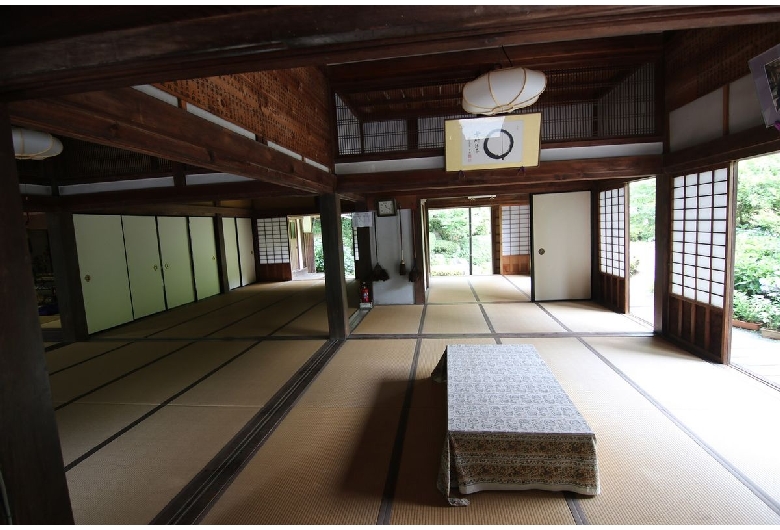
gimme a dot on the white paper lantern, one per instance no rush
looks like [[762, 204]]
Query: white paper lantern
[[34, 145], [503, 91]]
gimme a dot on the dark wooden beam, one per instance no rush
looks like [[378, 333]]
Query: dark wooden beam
[[423, 181], [65, 262], [155, 198], [128, 119], [294, 36], [464, 66], [33, 472], [719, 152], [333, 249]]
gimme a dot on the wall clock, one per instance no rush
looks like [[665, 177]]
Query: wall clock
[[385, 207]]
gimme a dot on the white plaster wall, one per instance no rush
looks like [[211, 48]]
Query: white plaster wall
[[387, 241], [744, 107], [697, 122]]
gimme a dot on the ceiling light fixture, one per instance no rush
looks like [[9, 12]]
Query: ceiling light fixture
[[503, 91]]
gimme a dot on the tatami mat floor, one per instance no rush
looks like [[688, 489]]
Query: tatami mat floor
[[308, 431]]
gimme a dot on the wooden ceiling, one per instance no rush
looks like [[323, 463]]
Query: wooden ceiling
[[385, 62]]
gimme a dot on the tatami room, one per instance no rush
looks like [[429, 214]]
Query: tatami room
[[234, 410], [243, 249]]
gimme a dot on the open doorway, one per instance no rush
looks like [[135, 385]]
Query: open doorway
[[460, 241], [756, 306], [641, 267], [307, 258]]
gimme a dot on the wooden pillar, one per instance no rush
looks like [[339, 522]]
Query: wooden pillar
[[663, 257], [419, 253], [30, 455], [335, 284], [224, 284], [363, 266], [65, 261]]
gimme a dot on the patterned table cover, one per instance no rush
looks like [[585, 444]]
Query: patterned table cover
[[510, 425]]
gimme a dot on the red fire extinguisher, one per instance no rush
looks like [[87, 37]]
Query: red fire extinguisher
[[364, 294]]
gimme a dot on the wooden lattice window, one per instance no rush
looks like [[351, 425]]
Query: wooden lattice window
[[272, 241], [612, 226], [515, 230], [699, 226]]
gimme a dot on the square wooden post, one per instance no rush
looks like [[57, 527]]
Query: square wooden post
[[30, 455], [333, 250]]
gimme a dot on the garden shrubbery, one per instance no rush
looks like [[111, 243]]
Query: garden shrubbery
[[757, 250]]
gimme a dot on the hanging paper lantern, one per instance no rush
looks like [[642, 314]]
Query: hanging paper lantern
[[503, 91], [34, 145]]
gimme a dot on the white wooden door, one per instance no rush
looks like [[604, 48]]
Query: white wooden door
[[231, 252], [204, 256], [561, 239], [246, 251], [177, 267], [143, 265], [103, 268]]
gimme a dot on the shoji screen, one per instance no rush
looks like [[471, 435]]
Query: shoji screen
[[612, 287], [699, 258], [515, 239]]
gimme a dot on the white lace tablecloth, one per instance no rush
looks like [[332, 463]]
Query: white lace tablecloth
[[510, 425]]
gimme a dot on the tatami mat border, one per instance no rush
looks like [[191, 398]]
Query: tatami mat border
[[89, 359], [194, 501], [386, 508], [156, 409], [773, 504]]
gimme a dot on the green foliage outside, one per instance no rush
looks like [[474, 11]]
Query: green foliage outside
[[757, 250], [642, 206], [346, 236], [449, 241]]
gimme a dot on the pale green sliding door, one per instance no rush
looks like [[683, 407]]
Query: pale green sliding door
[[177, 267], [231, 252], [246, 251], [143, 265], [204, 256], [103, 269]]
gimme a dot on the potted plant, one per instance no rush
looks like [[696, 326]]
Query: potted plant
[[771, 327]]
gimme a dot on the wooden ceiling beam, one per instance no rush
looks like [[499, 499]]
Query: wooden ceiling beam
[[128, 119], [464, 66], [117, 200], [422, 181], [295, 36]]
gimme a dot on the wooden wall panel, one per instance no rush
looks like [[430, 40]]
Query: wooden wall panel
[[699, 61], [274, 272], [288, 107]]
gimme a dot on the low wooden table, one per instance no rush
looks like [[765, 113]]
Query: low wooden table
[[510, 425]]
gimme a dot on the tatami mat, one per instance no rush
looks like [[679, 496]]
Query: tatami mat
[[520, 318], [73, 382], [269, 319], [646, 463], [327, 462], [83, 426], [252, 379], [461, 318], [394, 320], [584, 316], [521, 282], [76, 353], [158, 382], [131, 479], [450, 290], [496, 289], [313, 322], [692, 390]]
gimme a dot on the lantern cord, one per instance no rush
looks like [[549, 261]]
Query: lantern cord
[[507, 57]]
